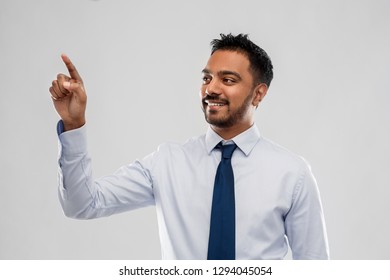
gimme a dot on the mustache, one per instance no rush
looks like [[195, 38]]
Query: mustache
[[215, 98]]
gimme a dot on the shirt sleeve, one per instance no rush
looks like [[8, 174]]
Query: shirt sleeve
[[82, 197], [305, 223]]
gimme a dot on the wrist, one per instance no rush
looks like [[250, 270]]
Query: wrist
[[73, 125]]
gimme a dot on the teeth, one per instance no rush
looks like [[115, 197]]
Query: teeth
[[215, 104]]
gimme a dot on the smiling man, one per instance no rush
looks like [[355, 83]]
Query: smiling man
[[232, 88], [228, 194]]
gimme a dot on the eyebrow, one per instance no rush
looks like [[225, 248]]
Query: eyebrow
[[223, 72]]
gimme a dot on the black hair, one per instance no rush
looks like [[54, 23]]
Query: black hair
[[260, 62]]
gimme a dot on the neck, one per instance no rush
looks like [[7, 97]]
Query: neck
[[228, 133]]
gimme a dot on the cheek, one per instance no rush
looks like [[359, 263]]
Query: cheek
[[238, 98], [233, 95]]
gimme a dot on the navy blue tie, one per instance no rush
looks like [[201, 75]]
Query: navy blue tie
[[222, 239]]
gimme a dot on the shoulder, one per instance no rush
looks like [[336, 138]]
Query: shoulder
[[278, 154], [288, 166], [194, 145]]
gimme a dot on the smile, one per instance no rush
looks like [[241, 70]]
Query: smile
[[210, 103]]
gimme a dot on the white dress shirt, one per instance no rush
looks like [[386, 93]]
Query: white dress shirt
[[277, 199]]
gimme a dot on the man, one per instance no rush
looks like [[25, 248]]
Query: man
[[249, 203]]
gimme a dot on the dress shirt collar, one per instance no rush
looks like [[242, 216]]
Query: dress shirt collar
[[245, 141]]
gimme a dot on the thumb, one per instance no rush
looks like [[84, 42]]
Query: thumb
[[75, 87]]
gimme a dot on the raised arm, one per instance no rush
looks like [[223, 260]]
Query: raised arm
[[80, 195]]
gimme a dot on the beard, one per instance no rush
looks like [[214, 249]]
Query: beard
[[231, 117]]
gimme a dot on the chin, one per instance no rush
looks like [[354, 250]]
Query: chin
[[220, 123]]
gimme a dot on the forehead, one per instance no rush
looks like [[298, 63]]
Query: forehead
[[222, 60]]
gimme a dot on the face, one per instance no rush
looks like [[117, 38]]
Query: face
[[228, 93]]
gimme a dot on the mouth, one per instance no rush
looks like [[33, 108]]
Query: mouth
[[215, 104]]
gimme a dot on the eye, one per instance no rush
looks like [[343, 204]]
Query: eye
[[229, 81], [206, 79]]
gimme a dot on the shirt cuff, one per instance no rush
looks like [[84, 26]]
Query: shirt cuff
[[73, 141], [60, 127]]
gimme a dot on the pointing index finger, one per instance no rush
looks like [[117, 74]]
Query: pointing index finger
[[71, 68]]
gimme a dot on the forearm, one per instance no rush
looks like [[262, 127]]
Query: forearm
[[82, 197], [76, 186]]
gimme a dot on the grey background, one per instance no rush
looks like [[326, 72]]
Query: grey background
[[141, 62]]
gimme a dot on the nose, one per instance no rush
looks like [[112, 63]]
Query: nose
[[213, 88]]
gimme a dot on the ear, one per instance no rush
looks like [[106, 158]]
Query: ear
[[260, 91]]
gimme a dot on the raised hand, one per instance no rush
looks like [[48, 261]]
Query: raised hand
[[69, 96]]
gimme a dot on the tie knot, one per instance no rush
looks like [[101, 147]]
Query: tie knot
[[227, 150]]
